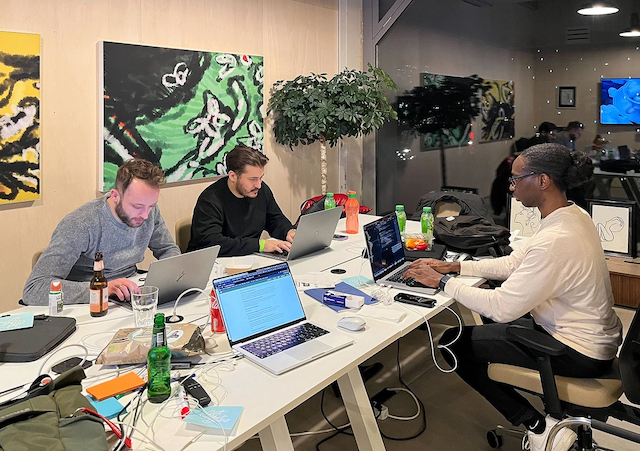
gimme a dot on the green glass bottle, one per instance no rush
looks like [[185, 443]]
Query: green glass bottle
[[159, 363]]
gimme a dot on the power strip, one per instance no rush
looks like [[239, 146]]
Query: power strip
[[381, 412]]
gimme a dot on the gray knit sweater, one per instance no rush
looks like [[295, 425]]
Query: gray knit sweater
[[75, 241]]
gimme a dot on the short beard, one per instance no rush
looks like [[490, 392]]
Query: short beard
[[124, 217]]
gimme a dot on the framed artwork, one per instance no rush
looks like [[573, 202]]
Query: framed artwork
[[567, 97], [615, 222], [498, 110], [19, 117], [524, 221], [183, 110]]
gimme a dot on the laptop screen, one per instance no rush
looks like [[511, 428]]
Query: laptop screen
[[258, 302], [384, 245]]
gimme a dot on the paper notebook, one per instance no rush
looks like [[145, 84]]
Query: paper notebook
[[318, 293]]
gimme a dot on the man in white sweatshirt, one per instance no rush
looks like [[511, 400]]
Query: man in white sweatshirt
[[560, 277]]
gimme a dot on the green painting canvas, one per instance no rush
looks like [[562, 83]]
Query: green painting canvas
[[183, 110]]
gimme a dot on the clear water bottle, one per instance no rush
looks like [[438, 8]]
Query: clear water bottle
[[352, 208], [426, 224], [329, 201], [402, 219]]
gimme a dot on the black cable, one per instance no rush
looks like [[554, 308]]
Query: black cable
[[325, 439], [338, 430]]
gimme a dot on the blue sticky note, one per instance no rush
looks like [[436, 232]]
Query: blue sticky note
[[216, 419], [357, 281], [109, 408], [19, 321]]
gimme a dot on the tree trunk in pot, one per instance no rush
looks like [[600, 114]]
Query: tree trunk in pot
[[323, 165]]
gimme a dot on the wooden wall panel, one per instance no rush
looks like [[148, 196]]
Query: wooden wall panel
[[295, 37]]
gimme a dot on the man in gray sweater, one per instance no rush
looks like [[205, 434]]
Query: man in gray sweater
[[121, 224]]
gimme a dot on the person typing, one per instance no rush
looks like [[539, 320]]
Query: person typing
[[560, 277], [235, 210], [122, 224]]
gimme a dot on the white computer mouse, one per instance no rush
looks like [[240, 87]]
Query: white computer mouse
[[351, 323]]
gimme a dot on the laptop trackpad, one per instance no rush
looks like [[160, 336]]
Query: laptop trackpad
[[308, 350]]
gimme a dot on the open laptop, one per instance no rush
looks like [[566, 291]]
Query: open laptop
[[265, 320], [386, 255], [175, 274], [315, 232]]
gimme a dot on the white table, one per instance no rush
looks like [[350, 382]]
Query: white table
[[266, 398]]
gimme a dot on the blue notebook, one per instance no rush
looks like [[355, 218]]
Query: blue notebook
[[318, 293], [217, 419]]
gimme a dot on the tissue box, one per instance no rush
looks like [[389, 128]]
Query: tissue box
[[343, 299]]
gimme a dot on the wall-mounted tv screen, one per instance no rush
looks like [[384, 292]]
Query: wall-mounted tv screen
[[620, 101]]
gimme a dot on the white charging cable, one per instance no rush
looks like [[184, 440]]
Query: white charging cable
[[174, 318], [440, 346]]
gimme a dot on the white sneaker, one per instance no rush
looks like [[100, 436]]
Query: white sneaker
[[563, 440]]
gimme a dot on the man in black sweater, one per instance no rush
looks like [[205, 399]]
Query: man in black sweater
[[233, 211]]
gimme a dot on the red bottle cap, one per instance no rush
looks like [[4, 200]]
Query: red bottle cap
[[56, 285]]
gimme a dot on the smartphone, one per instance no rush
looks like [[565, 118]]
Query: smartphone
[[66, 365], [415, 300], [340, 237]]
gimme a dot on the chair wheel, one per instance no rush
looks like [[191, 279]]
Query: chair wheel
[[494, 440]]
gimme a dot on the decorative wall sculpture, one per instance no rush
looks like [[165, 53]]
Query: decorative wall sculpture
[[498, 110], [19, 117], [183, 110]]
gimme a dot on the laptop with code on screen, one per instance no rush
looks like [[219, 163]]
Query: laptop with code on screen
[[265, 320]]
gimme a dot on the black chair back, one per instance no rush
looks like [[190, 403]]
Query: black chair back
[[630, 360]]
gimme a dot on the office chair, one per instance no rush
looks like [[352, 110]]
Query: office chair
[[183, 233], [581, 403]]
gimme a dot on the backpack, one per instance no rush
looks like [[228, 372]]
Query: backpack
[[472, 234], [48, 418]]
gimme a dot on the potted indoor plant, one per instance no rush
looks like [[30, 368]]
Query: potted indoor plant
[[313, 108]]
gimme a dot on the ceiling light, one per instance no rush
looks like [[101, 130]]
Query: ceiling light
[[634, 31], [598, 9]]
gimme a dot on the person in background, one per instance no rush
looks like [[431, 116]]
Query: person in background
[[235, 210], [122, 224], [570, 135], [546, 134], [559, 276]]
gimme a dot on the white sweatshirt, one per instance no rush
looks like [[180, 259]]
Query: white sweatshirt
[[560, 276]]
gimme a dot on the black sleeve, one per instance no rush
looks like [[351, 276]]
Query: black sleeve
[[277, 224], [206, 230]]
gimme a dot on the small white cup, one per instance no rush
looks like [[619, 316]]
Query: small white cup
[[144, 306]]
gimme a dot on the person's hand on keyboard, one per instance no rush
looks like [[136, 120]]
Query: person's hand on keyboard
[[439, 265], [122, 288], [422, 275], [277, 246]]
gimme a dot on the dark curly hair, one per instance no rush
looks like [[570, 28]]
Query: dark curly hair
[[566, 169], [139, 169]]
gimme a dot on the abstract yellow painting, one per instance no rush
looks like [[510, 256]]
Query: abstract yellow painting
[[19, 117]]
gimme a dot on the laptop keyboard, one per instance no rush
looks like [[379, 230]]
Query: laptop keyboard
[[397, 276], [280, 256], [286, 339]]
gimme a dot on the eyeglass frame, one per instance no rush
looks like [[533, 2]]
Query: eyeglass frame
[[513, 179]]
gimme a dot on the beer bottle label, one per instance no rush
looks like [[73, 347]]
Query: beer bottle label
[[95, 296]]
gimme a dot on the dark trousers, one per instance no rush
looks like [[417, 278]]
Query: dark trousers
[[480, 345]]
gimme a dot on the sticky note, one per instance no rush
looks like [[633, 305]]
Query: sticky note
[[122, 384], [216, 419], [109, 408]]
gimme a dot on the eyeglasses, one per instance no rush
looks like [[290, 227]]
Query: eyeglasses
[[512, 180]]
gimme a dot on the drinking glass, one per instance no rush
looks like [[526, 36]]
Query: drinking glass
[[144, 306]]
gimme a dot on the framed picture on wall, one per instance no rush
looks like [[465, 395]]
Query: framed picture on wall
[[523, 220], [615, 222], [567, 97]]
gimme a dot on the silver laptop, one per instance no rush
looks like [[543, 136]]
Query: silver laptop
[[173, 275], [265, 320], [386, 255], [315, 232]]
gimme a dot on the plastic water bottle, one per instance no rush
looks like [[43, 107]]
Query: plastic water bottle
[[426, 224], [55, 298], [353, 208], [402, 219], [329, 201]]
